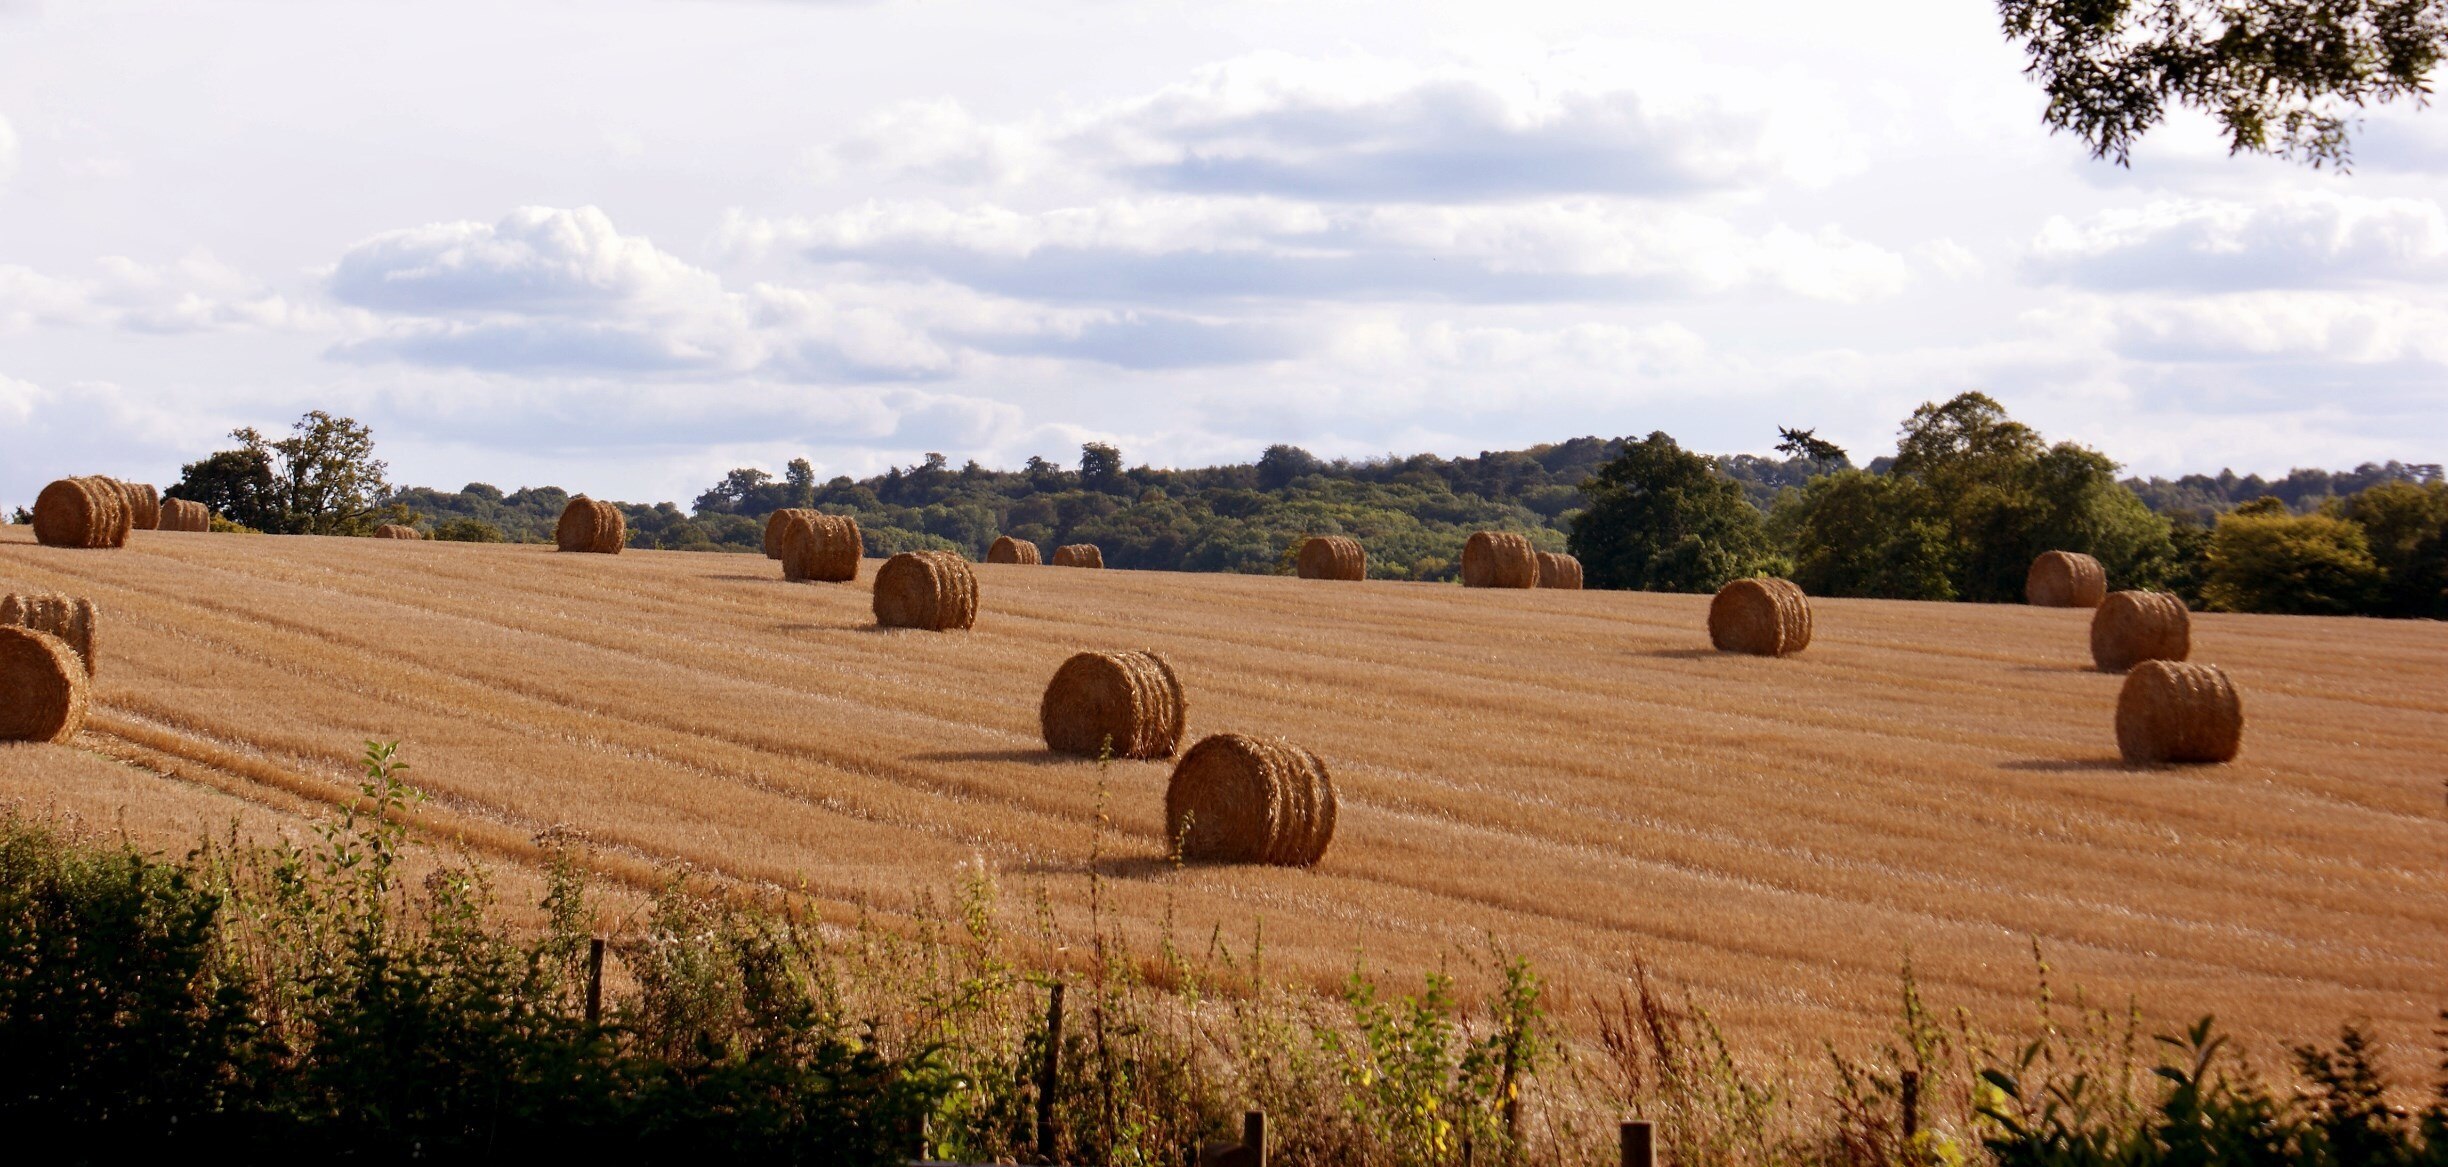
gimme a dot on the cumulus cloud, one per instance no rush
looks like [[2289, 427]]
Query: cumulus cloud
[[197, 293], [2289, 241], [2292, 326]]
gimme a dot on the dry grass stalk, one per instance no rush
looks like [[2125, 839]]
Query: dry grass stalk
[[1078, 555], [1763, 617], [821, 547], [1009, 550], [1333, 557], [179, 514], [70, 619], [591, 526], [144, 505], [2171, 711], [2065, 579], [396, 531], [43, 688], [1131, 701], [1241, 799], [1499, 559], [933, 590], [777, 524], [1558, 571], [2132, 627], [82, 512]]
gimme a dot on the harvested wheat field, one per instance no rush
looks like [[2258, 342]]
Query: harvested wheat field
[[1576, 773]]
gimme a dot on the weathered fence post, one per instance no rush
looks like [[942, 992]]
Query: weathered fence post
[[594, 1002], [1253, 1138], [1049, 1076], [1912, 1113], [1639, 1144]]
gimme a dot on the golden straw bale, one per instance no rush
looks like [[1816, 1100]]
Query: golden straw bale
[[779, 522], [1078, 555], [933, 590], [1333, 557], [1561, 572], [2131, 627], [179, 514], [1009, 550], [1131, 701], [591, 526], [82, 512], [1499, 559], [1764, 617], [43, 689], [2065, 579], [822, 547], [396, 531], [2171, 711], [69, 619], [1241, 799], [144, 505]]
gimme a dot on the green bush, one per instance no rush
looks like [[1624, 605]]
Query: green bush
[[2406, 526], [468, 531], [2262, 559], [1663, 519]]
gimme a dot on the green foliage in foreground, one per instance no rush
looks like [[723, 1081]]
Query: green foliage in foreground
[[251, 1001]]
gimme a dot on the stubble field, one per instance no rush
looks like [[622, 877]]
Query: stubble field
[[1573, 774]]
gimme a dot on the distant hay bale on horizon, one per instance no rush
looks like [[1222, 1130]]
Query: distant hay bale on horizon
[[83, 512], [1559, 572], [821, 548], [2172, 711], [144, 505], [72, 620], [181, 514], [2131, 627], [1332, 557], [1078, 555], [777, 524], [931, 590], [1130, 700], [591, 526], [1009, 550], [1240, 799], [397, 531], [1499, 559], [2065, 579], [44, 692], [1763, 617]]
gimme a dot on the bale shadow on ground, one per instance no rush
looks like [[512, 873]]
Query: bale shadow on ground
[[2067, 765], [1685, 653], [1135, 867], [1035, 757]]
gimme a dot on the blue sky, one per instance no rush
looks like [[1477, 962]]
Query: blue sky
[[623, 245]]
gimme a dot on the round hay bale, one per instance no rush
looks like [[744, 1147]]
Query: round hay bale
[[69, 619], [2065, 579], [1132, 700], [1078, 555], [179, 514], [778, 523], [1009, 550], [2171, 711], [2132, 627], [396, 531], [144, 505], [933, 590], [82, 512], [1241, 799], [43, 690], [1499, 559], [1333, 557], [1561, 572], [821, 547], [591, 526], [1764, 617]]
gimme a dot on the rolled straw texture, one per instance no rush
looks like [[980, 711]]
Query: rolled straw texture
[[1333, 557], [2065, 579], [396, 531], [2132, 627], [591, 526], [821, 547], [1562, 572], [1763, 617], [933, 590], [2171, 711], [1499, 559], [1241, 799], [1009, 550], [69, 619], [1078, 555], [179, 514], [144, 505], [43, 688], [777, 523], [1131, 700], [82, 512]]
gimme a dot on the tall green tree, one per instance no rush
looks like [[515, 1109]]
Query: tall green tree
[[1663, 519], [2406, 526], [1853, 533], [2263, 559], [240, 485], [323, 479]]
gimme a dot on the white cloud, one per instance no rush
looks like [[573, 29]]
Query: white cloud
[[8, 152], [196, 293], [2304, 240], [2296, 326]]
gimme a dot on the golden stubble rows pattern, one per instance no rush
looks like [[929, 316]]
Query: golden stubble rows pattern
[[1575, 773]]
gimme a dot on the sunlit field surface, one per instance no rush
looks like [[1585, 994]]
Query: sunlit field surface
[[1574, 774]]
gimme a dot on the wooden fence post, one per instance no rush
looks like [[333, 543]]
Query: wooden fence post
[[1639, 1144], [1912, 1113], [1254, 1138], [594, 1000], [1049, 1076]]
